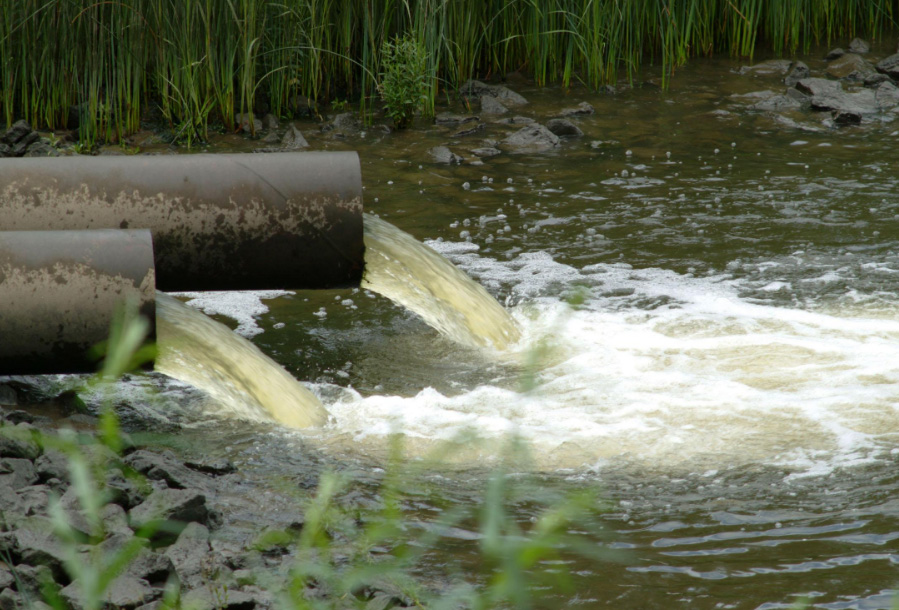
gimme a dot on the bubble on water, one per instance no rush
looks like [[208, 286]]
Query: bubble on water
[[628, 153], [508, 181], [624, 173], [717, 151], [466, 185], [668, 154]]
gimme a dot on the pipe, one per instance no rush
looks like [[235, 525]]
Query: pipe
[[59, 291], [219, 222]]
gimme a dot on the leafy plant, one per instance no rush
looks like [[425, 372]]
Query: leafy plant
[[403, 80]]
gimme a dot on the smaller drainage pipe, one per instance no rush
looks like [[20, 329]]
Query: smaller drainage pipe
[[219, 222], [59, 291]]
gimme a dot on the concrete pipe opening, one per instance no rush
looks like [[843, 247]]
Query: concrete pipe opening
[[60, 292], [219, 222]]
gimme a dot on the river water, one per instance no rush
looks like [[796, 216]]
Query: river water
[[708, 299]]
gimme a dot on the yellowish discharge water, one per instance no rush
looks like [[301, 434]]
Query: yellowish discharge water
[[413, 275], [240, 379]]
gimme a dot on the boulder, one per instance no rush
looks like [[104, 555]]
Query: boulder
[[477, 89], [16, 133], [851, 67], [41, 148], [531, 138], [212, 597], [442, 154], [777, 103], [764, 68], [859, 46], [189, 554], [467, 131], [270, 122], [452, 120], [125, 592], [889, 66], [834, 54], [486, 151], [344, 124], [491, 105], [8, 396], [170, 509], [581, 109], [564, 128], [247, 122], [18, 442], [796, 72], [887, 95], [17, 473], [293, 139], [165, 467]]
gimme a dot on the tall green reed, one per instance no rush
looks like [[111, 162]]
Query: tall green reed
[[203, 61]]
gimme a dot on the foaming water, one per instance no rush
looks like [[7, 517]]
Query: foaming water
[[241, 381], [409, 273], [662, 370]]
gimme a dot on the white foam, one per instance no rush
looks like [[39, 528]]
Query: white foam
[[666, 370], [243, 307]]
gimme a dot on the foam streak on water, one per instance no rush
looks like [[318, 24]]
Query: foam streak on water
[[409, 273], [241, 381], [666, 370]]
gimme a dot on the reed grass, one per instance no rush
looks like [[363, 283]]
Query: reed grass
[[203, 61]]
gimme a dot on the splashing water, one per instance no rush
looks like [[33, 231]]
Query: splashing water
[[242, 381], [413, 275]]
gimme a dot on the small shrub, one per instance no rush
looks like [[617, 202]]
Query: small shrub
[[403, 82]]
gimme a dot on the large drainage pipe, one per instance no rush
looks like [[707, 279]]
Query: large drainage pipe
[[59, 291], [218, 222]]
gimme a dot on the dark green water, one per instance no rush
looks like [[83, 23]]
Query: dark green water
[[726, 377]]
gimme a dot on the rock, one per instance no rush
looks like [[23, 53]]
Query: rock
[[452, 120], [293, 139], [847, 117], [829, 95], [189, 554], [796, 72], [563, 127], [18, 442], [859, 46], [491, 105], [850, 67], [532, 138], [10, 503], [247, 122], [165, 467], [170, 509], [31, 580], [10, 600], [154, 568], [17, 473], [346, 123], [469, 131], [212, 597], [8, 396], [16, 133], [125, 592], [124, 491], [35, 500], [778, 103], [5, 150], [21, 147], [517, 120], [41, 149], [581, 109], [506, 96], [442, 154], [889, 66], [216, 468], [115, 520], [52, 464], [270, 122], [487, 151], [383, 601], [6, 577], [875, 78], [37, 545], [772, 66], [887, 95], [834, 54]]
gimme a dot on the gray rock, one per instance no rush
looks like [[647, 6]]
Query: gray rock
[[115, 520], [10, 600], [16, 133], [218, 597], [41, 149], [52, 464], [293, 139], [887, 95], [124, 491], [772, 66], [270, 122], [214, 467], [850, 67], [189, 554], [834, 54], [37, 545], [581, 109], [859, 46], [5, 150], [271, 138], [778, 103], [442, 154], [154, 568], [125, 592], [506, 96], [491, 105], [21, 147], [486, 151], [517, 120], [8, 396], [531, 138], [889, 66], [247, 122], [830, 95], [17, 473], [475, 88], [18, 442], [796, 72], [171, 509], [10, 503], [31, 580], [165, 467], [451, 120], [7, 579], [467, 131], [383, 601], [875, 78], [847, 117], [346, 123], [563, 127], [35, 500]]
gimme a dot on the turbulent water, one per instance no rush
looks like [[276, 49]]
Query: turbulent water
[[409, 273], [707, 298], [240, 380]]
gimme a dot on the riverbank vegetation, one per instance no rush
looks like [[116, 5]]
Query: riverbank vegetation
[[104, 66]]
